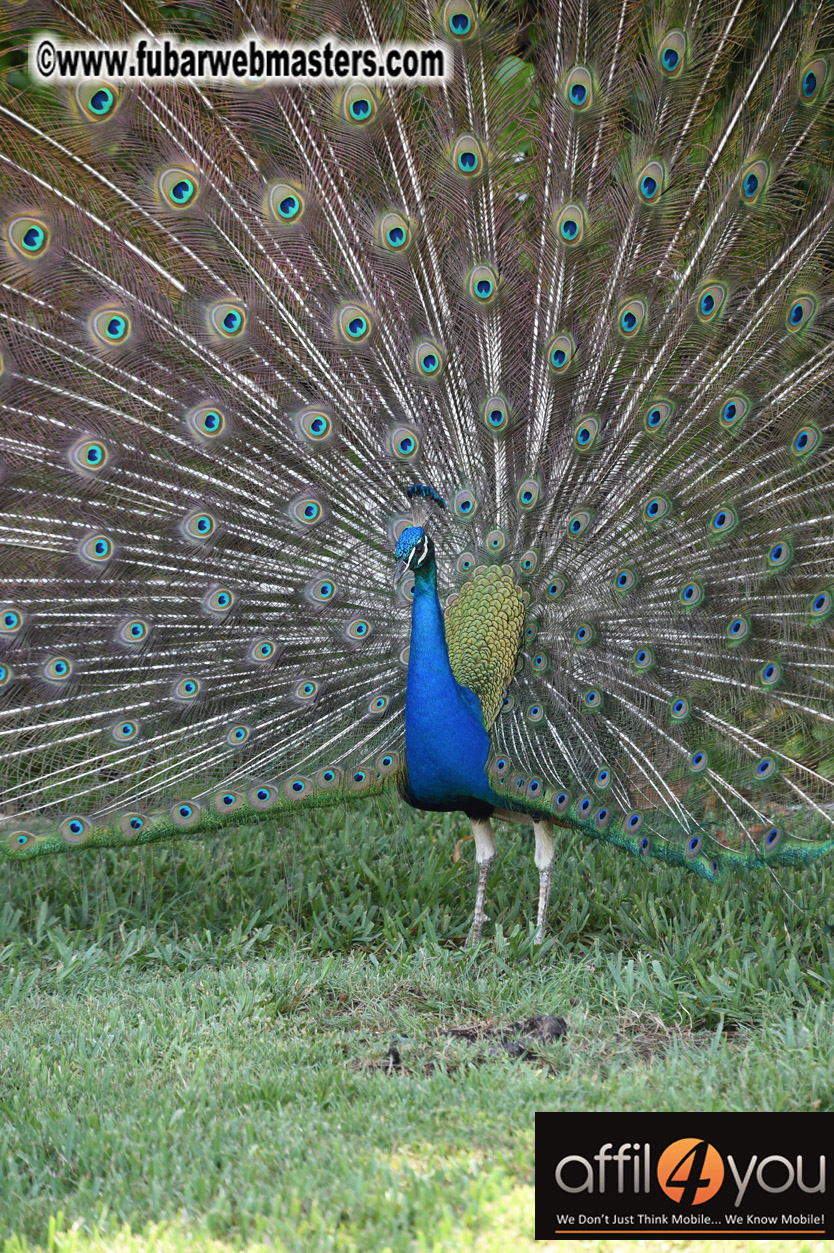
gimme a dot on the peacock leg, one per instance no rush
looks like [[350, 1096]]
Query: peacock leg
[[544, 857], [485, 856]]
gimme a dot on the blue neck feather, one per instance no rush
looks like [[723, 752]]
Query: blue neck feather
[[446, 745]]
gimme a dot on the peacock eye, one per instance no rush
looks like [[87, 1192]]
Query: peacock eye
[[467, 157], [671, 53], [632, 317], [569, 224], [560, 351]]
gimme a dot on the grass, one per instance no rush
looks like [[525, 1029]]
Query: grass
[[194, 1040]]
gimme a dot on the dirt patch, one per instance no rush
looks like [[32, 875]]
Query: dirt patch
[[491, 1039]]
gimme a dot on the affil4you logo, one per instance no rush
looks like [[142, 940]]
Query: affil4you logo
[[689, 1171]]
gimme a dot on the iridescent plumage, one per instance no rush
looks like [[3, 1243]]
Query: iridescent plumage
[[582, 288]]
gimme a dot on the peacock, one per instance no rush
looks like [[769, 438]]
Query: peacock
[[464, 438]]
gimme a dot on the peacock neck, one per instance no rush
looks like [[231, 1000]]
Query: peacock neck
[[446, 744]]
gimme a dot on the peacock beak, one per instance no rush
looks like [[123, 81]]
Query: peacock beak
[[401, 567]]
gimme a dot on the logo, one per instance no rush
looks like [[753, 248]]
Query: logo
[[636, 1175], [690, 1171]]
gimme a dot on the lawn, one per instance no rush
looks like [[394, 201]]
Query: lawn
[[256, 1041]]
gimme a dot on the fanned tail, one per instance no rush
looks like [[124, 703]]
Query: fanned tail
[[588, 295]]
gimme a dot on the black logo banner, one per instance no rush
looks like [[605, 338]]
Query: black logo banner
[[649, 1175]]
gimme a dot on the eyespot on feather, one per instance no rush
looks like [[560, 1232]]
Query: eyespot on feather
[[733, 412], [692, 594], [207, 422], [578, 89], [738, 630], [459, 19], [12, 620], [74, 830], [578, 523], [307, 510], [285, 203], [560, 800], [569, 223], [710, 301], [177, 188], [321, 590], [625, 581], [820, 606], [133, 824], [89, 456], [779, 554], [465, 503], [358, 630], [315, 425], [584, 635], [305, 690], [428, 359], [800, 314], [354, 324], [394, 231], [496, 414], [27, 237], [96, 549], [58, 669], [359, 104], [263, 796], [219, 601], [813, 78], [134, 633], [199, 526], [632, 317], [186, 690], [482, 285], [467, 157], [723, 522], [226, 802], [110, 326], [96, 100], [650, 182], [226, 319], [770, 675], [586, 433], [698, 761], [527, 563], [604, 778], [656, 508], [560, 353], [657, 416], [671, 53], [527, 494], [405, 443], [806, 441], [753, 181], [185, 814]]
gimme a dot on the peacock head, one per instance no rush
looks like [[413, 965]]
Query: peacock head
[[414, 551]]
